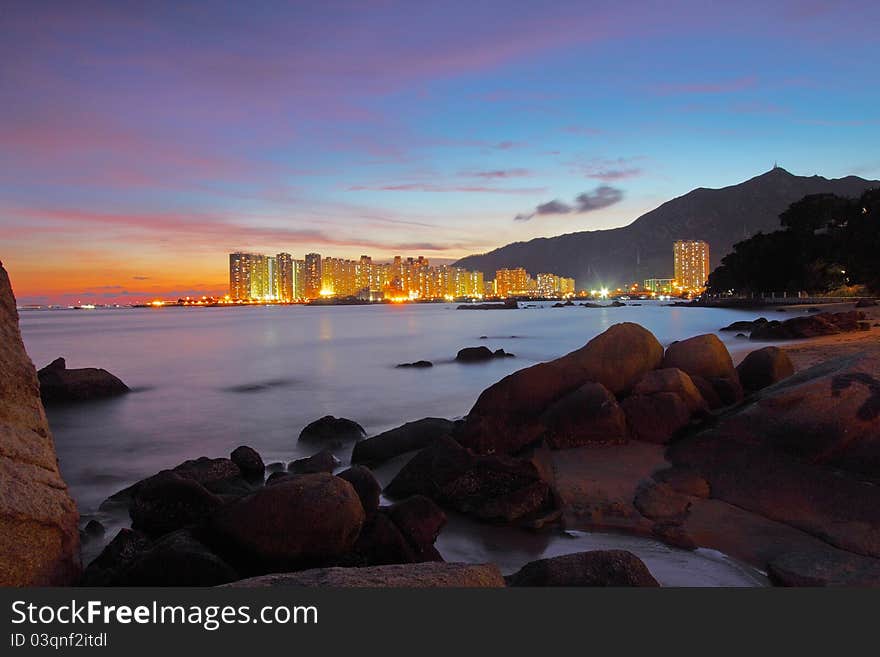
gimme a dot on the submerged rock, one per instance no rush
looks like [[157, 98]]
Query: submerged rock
[[595, 568], [61, 385], [39, 536], [332, 431], [419, 364]]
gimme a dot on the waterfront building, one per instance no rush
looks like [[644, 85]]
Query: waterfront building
[[512, 282], [299, 279], [691, 264], [660, 285], [284, 277], [313, 276]]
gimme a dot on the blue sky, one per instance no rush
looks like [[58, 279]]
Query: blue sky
[[141, 136]]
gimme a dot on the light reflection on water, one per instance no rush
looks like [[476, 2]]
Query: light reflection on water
[[210, 379]]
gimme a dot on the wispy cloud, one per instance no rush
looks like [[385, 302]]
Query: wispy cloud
[[601, 197], [461, 189], [498, 174], [720, 87]]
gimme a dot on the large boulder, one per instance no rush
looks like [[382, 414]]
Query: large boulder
[[380, 542], [203, 470], [39, 538], [106, 569], [489, 487], [365, 484], [474, 354], [409, 437], [323, 461], [61, 385], [420, 522], [595, 568], [167, 502], [588, 414], [506, 416], [249, 462], [178, 559], [332, 432], [701, 355], [764, 367], [656, 418], [307, 519], [672, 379], [417, 575], [804, 452]]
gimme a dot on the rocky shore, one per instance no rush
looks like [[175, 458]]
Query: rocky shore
[[774, 461]]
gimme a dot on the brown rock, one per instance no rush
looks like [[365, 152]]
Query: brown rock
[[684, 480], [506, 417], [167, 502], [323, 461], [417, 575], [660, 502], [655, 418], [39, 538], [332, 432], [589, 414], [672, 380], [309, 518], [764, 367], [61, 385], [409, 437], [365, 485], [824, 568], [249, 462], [490, 487], [800, 453], [707, 391], [702, 355], [419, 520], [595, 568]]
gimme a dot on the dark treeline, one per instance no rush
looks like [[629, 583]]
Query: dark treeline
[[825, 242]]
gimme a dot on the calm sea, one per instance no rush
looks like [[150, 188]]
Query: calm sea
[[206, 380]]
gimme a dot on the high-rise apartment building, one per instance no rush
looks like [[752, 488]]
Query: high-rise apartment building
[[691, 260], [512, 282], [299, 279], [313, 276], [240, 276], [284, 277]]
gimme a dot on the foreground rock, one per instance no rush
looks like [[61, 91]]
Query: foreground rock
[[305, 520], [507, 415], [596, 568], [249, 463], [167, 502], [490, 487], [39, 539], [421, 575], [811, 326], [407, 438], [804, 452], [61, 385], [323, 461], [586, 415], [764, 367], [332, 431]]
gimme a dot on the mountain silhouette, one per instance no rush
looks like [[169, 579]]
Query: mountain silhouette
[[643, 249]]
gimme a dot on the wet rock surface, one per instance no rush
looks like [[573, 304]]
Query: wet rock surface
[[60, 385]]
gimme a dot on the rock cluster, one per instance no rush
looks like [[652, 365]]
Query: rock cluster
[[810, 326], [479, 354]]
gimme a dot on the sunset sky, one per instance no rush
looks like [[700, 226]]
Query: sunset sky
[[141, 142]]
